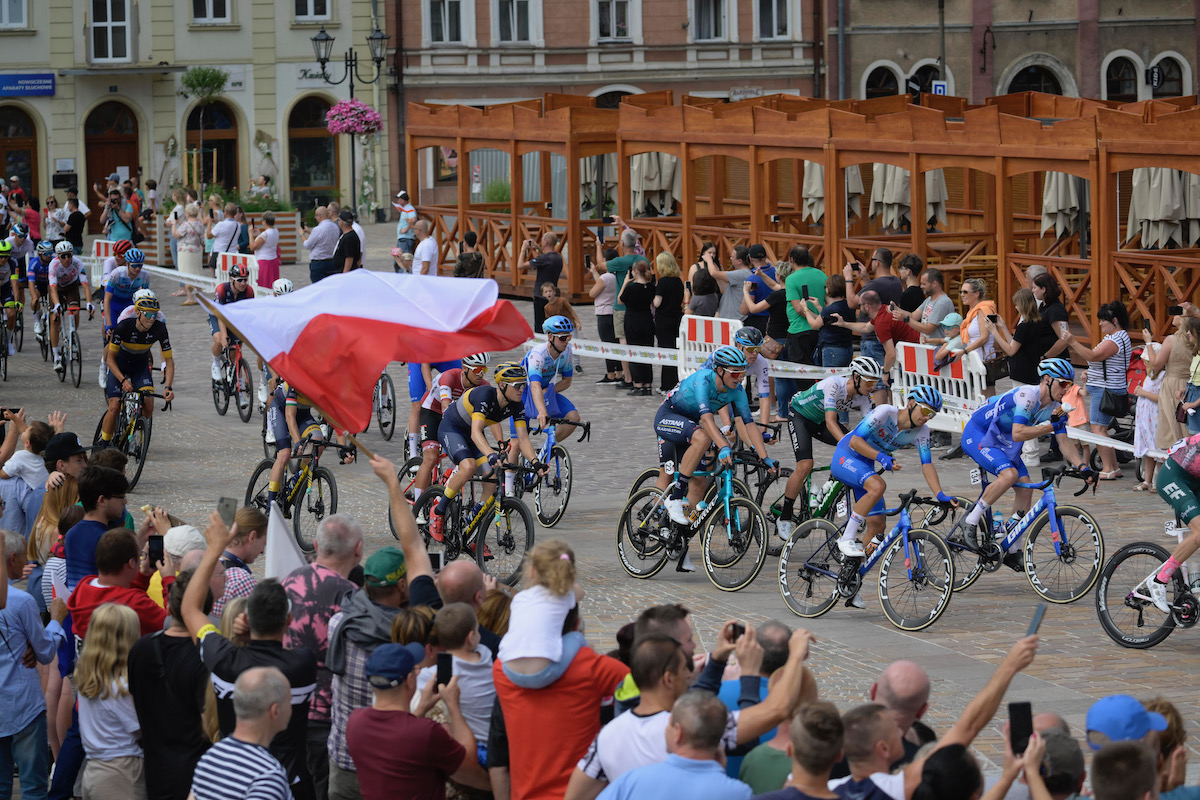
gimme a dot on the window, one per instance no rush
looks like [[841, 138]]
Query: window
[[1035, 79], [882, 83], [1121, 81], [12, 15], [208, 11], [925, 76], [614, 19], [1172, 80], [312, 9], [445, 24], [514, 20], [772, 19], [708, 19], [110, 30]]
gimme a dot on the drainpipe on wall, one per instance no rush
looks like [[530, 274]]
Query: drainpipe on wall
[[841, 49]]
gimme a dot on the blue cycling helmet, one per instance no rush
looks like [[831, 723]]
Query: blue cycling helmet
[[926, 395], [20, 229], [558, 325], [134, 257], [45, 248], [729, 357], [748, 337], [1057, 368]]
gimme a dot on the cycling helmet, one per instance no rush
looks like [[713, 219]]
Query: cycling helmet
[[5, 248], [236, 272], [64, 248], [926, 395], [45, 249], [143, 294], [729, 357], [20, 229], [135, 257], [476, 360], [511, 372], [147, 304], [558, 325], [866, 367], [122, 247], [748, 337], [1057, 368], [282, 286]]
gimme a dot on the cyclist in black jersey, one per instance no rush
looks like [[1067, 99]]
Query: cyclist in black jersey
[[290, 417], [129, 361]]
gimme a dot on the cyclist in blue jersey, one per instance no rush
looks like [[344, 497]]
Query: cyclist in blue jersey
[[123, 282], [749, 341], [686, 426], [996, 431], [420, 378], [543, 397], [881, 433], [38, 273]]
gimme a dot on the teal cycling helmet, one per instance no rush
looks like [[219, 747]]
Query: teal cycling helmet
[[558, 326], [748, 337], [45, 248], [1057, 368], [729, 357], [926, 395], [134, 257]]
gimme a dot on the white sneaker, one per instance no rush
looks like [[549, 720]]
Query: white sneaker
[[685, 564], [850, 548], [216, 370], [270, 434], [262, 394], [58, 363], [37, 326], [857, 601], [1158, 593], [674, 508], [784, 528]]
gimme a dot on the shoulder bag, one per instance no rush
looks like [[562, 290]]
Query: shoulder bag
[[1113, 404]]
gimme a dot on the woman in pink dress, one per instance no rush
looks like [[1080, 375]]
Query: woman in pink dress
[[265, 244]]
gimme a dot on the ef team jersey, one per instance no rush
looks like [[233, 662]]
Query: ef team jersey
[[485, 403], [881, 430], [828, 395], [544, 367], [699, 394], [1020, 406]]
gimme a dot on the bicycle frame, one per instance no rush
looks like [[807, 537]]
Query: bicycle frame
[[1047, 502], [912, 556]]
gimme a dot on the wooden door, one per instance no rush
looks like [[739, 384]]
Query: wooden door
[[111, 145]]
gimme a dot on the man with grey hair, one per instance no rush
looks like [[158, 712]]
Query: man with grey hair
[[1032, 272], [320, 243], [317, 592], [620, 267], [240, 765]]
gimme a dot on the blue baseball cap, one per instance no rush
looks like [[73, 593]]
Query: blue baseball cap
[[389, 665], [1121, 718]]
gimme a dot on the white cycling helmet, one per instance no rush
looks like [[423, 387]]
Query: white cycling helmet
[[143, 294], [476, 360], [866, 367], [281, 286], [63, 248]]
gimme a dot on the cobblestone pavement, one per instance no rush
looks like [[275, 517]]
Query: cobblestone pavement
[[197, 456]]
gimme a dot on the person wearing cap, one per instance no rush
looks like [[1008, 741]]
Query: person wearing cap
[[347, 255], [398, 751], [406, 228], [362, 625], [14, 188], [760, 264], [1121, 718]]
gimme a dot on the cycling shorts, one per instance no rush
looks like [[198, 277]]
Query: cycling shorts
[[1180, 489], [802, 431], [457, 445], [427, 432], [43, 288], [6, 291], [277, 419], [556, 406], [213, 327], [853, 470], [68, 293], [139, 376], [416, 379], [992, 459], [669, 424]]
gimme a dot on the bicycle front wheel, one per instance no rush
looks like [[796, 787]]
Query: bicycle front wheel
[[1066, 573], [257, 491], [76, 359], [647, 477], [385, 406], [19, 331], [641, 530], [136, 447], [406, 475], [1126, 613], [735, 544], [3, 350], [770, 500], [504, 537], [44, 339], [915, 585], [219, 393], [553, 492], [243, 390], [808, 555], [314, 503]]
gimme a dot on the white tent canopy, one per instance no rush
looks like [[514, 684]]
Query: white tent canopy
[[891, 197], [1164, 207], [1064, 201], [813, 191]]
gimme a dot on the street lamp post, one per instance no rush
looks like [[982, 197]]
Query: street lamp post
[[322, 47]]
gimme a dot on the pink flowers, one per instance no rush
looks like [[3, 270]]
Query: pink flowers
[[353, 116]]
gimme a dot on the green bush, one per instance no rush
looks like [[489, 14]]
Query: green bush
[[498, 191]]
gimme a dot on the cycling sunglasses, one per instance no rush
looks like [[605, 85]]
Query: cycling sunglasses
[[737, 374], [929, 411]]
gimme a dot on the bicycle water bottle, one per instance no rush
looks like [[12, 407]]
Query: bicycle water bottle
[[508, 482], [700, 506], [826, 490], [873, 545], [997, 524]]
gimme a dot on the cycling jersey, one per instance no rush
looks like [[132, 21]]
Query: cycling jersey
[[759, 368], [20, 255], [110, 264], [881, 430], [447, 388], [828, 395], [416, 378], [283, 397], [132, 345], [485, 403], [227, 294], [545, 367], [993, 422], [1186, 453], [7, 273], [121, 285], [701, 393], [39, 271], [66, 274]]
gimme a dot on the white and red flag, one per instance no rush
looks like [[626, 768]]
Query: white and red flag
[[332, 340]]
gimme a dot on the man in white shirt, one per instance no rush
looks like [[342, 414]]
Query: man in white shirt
[[320, 243], [425, 259], [225, 233]]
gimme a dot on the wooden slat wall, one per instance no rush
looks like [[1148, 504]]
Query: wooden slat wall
[[737, 179]]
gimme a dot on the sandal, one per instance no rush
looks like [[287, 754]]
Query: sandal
[[1142, 487], [1111, 476], [190, 303], [178, 293]]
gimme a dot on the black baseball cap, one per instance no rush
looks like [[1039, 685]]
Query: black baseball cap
[[62, 446], [758, 251], [346, 216]]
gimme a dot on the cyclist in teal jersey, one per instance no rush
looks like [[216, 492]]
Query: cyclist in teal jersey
[[1178, 482]]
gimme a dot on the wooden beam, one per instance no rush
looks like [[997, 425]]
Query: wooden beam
[[517, 198], [758, 199], [688, 189], [835, 210], [1003, 223], [412, 159], [573, 249], [917, 212]]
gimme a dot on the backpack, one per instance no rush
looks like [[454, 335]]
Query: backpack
[[1135, 374], [704, 282], [469, 265]]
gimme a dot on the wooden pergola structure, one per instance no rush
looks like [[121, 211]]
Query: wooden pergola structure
[[994, 157]]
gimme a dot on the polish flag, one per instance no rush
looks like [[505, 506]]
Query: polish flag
[[332, 340]]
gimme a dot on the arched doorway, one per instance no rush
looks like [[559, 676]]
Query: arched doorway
[[110, 137], [312, 154], [1035, 79], [18, 147], [881, 83], [218, 164]]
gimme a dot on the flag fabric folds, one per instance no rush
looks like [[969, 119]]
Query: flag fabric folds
[[282, 556]]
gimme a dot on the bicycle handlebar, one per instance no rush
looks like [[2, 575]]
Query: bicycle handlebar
[[142, 393], [1055, 475], [583, 437]]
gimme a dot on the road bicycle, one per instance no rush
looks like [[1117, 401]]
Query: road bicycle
[[496, 532], [831, 500], [384, 403], [916, 573], [70, 353], [309, 492], [1123, 604], [1062, 553], [732, 530], [407, 475], [5, 333], [42, 316], [236, 382], [552, 492], [131, 435]]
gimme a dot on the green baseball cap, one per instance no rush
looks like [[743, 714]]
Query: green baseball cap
[[385, 567]]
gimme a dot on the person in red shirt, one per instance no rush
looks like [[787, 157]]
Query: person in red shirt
[[889, 330], [121, 580]]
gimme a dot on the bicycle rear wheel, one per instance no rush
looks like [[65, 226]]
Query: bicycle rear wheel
[[1067, 577], [735, 545], [243, 390], [136, 447], [647, 477], [770, 498], [504, 537], [947, 524], [3, 349], [641, 530], [44, 339], [553, 492], [314, 503], [808, 554], [258, 488], [406, 475], [385, 406], [915, 587], [76, 359], [1126, 614]]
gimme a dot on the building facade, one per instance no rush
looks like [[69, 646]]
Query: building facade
[[92, 87]]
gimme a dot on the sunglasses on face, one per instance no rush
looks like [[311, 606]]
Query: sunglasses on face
[[148, 314], [239, 280], [926, 410], [751, 351], [1064, 385], [737, 376], [566, 337], [477, 370]]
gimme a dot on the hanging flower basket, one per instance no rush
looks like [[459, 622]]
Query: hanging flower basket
[[353, 116]]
